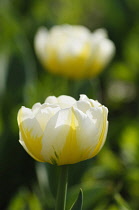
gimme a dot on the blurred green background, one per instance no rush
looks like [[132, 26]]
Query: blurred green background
[[110, 180]]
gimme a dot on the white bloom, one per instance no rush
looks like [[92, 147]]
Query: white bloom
[[74, 51], [63, 130]]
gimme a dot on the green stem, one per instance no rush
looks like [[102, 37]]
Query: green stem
[[62, 188]]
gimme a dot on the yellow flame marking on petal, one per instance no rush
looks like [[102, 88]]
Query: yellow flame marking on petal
[[71, 66], [33, 144], [71, 151]]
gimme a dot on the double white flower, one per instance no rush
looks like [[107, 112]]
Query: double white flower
[[73, 51], [63, 130]]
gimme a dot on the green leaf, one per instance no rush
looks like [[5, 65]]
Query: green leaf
[[78, 204]]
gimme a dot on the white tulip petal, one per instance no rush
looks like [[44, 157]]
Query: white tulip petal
[[79, 32], [105, 51], [98, 35], [89, 129], [94, 103], [83, 98], [104, 135], [66, 101], [32, 126], [40, 42], [63, 101], [55, 135], [26, 113], [82, 105], [102, 138], [51, 100], [36, 107], [45, 113]]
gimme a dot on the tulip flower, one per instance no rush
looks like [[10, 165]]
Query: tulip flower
[[62, 130], [73, 51]]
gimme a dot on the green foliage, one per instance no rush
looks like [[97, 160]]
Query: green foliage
[[109, 181], [25, 200]]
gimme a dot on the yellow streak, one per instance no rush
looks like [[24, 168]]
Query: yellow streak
[[72, 66], [33, 144], [71, 151]]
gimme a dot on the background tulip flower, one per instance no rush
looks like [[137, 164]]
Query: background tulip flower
[[62, 130], [73, 51]]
